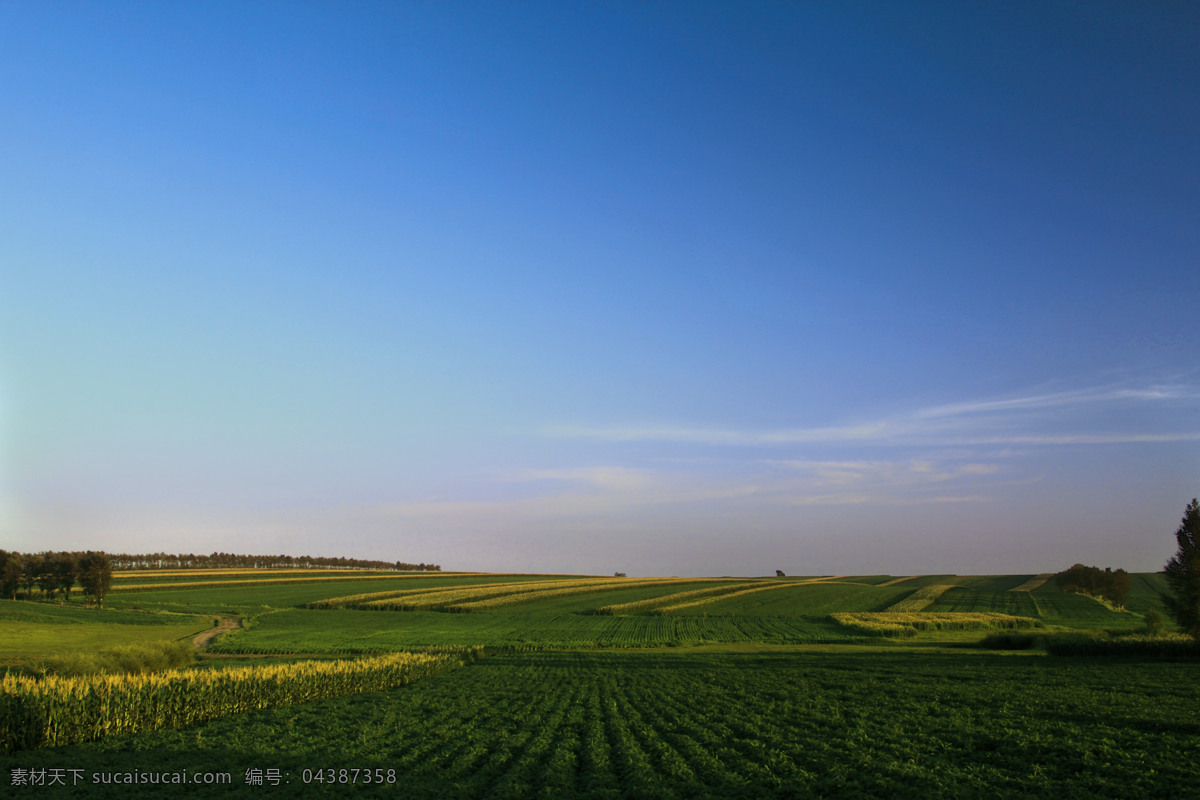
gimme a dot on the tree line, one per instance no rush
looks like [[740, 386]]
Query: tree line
[[55, 574], [1108, 584], [235, 560]]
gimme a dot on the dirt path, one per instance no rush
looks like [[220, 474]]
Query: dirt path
[[226, 625]]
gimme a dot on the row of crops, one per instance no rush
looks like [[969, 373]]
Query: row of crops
[[771, 725], [482, 597], [52, 710], [663, 597], [907, 623], [351, 633]]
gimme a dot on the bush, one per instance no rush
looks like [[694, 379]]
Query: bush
[[1156, 647], [1007, 641]]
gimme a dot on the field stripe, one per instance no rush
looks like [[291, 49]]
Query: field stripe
[[922, 598], [1036, 582]]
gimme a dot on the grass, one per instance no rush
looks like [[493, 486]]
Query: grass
[[31, 632], [129, 659]]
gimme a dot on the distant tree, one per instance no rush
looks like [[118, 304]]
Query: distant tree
[[31, 568], [1108, 584], [11, 565], [65, 567], [1153, 622], [779, 574], [46, 580], [618, 574], [95, 576], [1183, 574]]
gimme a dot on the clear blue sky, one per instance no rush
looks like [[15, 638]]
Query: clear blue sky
[[665, 288]]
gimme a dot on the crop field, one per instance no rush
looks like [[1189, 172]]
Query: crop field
[[609, 688], [30, 631], [348, 631], [772, 724]]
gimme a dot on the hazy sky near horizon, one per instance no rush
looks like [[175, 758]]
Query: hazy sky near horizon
[[665, 288]]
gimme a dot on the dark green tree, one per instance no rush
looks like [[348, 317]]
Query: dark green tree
[[1183, 574], [11, 565], [66, 570], [46, 580], [1109, 584], [31, 567], [95, 576]]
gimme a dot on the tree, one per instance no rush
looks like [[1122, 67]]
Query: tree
[[31, 568], [1107, 584], [95, 575], [1183, 574], [64, 567], [11, 566], [46, 580]]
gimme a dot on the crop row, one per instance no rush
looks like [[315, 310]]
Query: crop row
[[907, 623], [477, 596], [668, 599], [349, 576], [706, 600], [444, 598], [369, 599], [922, 598], [54, 711], [1036, 582], [771, 725], [547, 594], [134, 576], [348, 632]]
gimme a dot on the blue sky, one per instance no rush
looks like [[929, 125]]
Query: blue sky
[[665, 288]]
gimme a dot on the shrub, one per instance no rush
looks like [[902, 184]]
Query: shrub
[[1007, 641], [1157, 647]]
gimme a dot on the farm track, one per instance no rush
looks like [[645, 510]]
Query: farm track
[[206, 638]]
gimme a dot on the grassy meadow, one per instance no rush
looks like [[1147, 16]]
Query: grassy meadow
[[472, 685]]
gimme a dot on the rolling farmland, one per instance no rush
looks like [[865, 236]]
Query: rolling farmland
[[586, 687]]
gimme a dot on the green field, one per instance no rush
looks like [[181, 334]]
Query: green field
[[771, 724], [753, 695], [32, 631]]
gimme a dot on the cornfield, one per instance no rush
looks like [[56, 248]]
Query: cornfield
[[56, 711]]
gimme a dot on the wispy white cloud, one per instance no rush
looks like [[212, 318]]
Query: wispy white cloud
[[607, 493], [889, 473], [603, 477], [722, 436], [1082, 439], [1007, 420], [1068, 399]]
